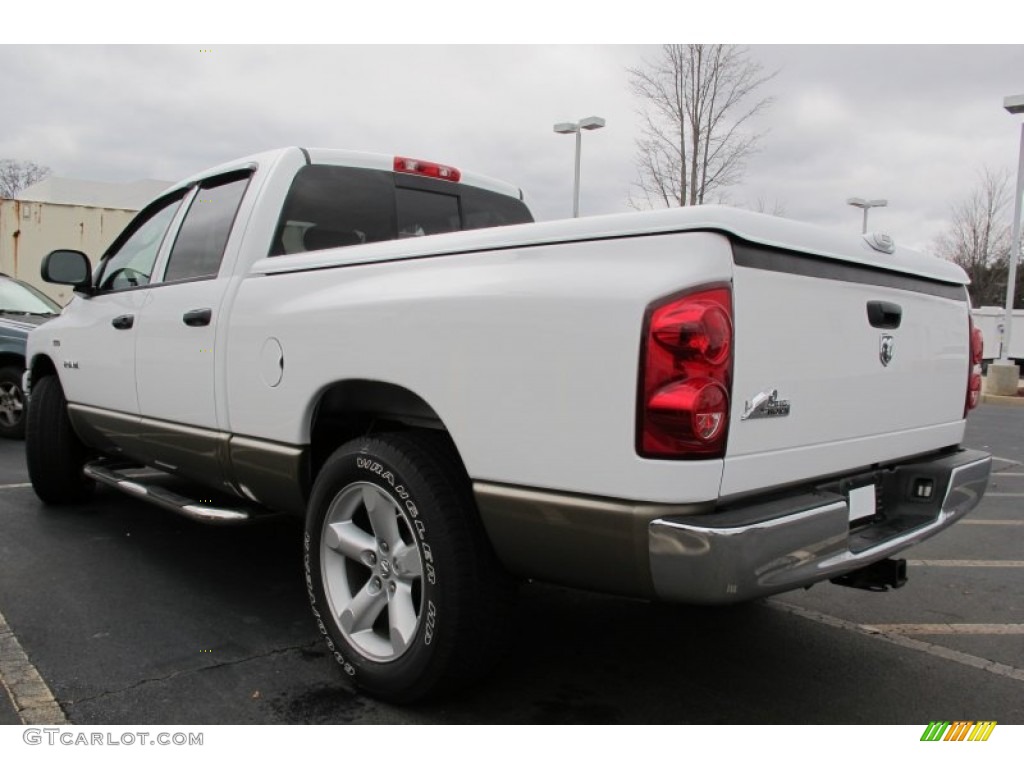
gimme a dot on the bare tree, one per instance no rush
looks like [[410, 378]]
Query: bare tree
[[15, 175], [773, 208], [978, 237], [697, 103]]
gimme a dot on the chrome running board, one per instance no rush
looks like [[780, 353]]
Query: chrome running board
[[138, 481]]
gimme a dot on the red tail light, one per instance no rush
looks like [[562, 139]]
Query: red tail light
[[686, 376], [423, 168], [977, 345], [974, 374]]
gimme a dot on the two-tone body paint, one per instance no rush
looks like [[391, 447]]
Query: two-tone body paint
[[524, 342]]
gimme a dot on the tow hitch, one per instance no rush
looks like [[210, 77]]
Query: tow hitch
[[877, 577]]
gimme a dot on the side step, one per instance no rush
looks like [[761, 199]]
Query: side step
[[139, 482]]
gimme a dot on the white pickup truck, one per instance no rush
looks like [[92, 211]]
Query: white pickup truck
[[697, 405]]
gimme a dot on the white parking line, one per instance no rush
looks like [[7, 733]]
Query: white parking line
[[969, 563], [991, 522], [996, 668], [1005, 495], [1009, 474], [31, 695], [15, 485], [946, 629], [1008, 461]]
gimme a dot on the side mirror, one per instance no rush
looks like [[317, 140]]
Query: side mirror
[[68, 268]]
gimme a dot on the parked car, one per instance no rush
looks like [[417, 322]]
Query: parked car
[[22, 308]]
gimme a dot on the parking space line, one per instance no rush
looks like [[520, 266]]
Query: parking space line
[[1005, 495], [1008, 461], [15, 485], [946, 629], [991, 522], [969, 563], [1009, 474], [959, 657], [33, 699]]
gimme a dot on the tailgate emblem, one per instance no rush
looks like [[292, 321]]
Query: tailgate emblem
[[765, 405], [886, 347]]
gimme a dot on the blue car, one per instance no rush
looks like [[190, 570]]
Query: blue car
[[22, 308]]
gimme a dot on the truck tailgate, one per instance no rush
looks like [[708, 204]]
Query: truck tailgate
[[863, 384]]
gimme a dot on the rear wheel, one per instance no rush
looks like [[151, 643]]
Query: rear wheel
[[54, 454], [402, 580]]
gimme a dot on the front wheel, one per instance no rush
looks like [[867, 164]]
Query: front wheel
[[402, 580], [53, 452]]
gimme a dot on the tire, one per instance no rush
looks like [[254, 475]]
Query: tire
[[403, 583], [54, 454], [12, 403]]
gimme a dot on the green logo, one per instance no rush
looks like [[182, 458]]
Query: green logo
[[958, 730]]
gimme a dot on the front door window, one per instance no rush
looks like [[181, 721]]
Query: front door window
[[129, 262]]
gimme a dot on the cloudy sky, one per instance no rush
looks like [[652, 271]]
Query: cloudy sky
[[911, 123]]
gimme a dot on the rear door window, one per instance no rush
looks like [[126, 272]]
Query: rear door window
[[199, 246]]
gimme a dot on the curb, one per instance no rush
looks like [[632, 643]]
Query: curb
[[1002, 399], [987, 397], [8, 712], [32, 700]]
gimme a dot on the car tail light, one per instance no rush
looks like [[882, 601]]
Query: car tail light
[[423, 168], [974, 371], [686, 376]]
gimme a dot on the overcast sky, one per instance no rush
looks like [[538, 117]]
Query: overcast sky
[[913, 124]]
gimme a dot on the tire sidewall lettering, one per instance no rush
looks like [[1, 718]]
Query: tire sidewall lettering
[[429, 623], [391, 481]]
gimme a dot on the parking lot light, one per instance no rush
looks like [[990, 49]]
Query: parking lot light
[[860, 202], [586, 124]]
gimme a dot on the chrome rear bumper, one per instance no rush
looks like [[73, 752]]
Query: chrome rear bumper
[[760, 549]]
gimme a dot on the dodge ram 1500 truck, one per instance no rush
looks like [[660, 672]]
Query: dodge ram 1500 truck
[[697, 405]]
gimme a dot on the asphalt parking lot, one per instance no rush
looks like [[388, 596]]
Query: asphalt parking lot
[[132, 615]]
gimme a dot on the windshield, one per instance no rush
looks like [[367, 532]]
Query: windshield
[[24, 299]]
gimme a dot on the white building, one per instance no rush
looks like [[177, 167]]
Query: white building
[[66, 213]]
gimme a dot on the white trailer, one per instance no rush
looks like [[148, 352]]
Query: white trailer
[[990, 320]]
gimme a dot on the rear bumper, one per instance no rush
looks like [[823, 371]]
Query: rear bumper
[[759, 549]]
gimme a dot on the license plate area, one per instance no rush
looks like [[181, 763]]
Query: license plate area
[[863, 504], [865, 496]]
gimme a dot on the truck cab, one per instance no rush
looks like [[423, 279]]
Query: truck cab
[[145, 338]]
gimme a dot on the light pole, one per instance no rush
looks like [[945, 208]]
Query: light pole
[[1014, 105], [860, 202], [586, 124]]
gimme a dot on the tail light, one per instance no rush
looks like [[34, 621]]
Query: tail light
[[686, 376], [423, 168], [974, 371]]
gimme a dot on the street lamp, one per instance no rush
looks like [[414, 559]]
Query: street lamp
[[586, 124], [1015, 106], [860, 202]]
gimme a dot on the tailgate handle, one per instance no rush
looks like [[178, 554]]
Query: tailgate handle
[[884, 314]]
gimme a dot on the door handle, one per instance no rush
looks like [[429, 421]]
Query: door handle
[[197, 317], [884, 314], [123, 322]]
